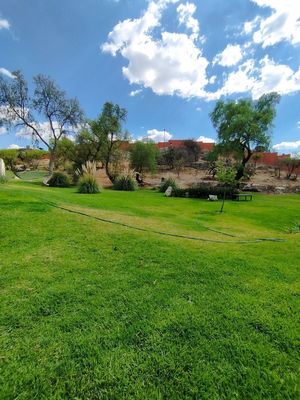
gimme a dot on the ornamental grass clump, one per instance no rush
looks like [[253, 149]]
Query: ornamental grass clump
[[87, 182], [88, 185], [125, 183], [58, 179]]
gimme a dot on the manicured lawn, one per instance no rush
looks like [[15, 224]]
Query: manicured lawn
[[95, 310]]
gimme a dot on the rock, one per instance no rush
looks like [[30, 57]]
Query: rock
[[2, 167], [212, 197], [280, 189], [168, 192]]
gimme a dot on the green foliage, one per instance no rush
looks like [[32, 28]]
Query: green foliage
[[65, 152], [244, 125], [166, 183], [143, 157], [3, 180], [203, 191], [126, 183], [107, 134], [88, 184], [10, 157], [226, 174], [58, 179]]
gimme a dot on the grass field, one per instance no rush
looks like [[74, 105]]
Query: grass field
[[96, 310]]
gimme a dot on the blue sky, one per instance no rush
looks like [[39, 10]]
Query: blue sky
[[165, 61]]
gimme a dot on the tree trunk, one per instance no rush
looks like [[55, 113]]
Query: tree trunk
[[51, 162], [241, 170], [110, 176], [224, 196]]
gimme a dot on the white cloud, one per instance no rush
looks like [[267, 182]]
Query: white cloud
[[276, 77], [259, 79], [7, 73], [206, 139], [171, 64], [135, 92], [251, 25], [230, 56], [298, 124], [287, 146], [282, 25], [3, 130], [156, 136], [14, 146], [185, 17], [4, 24]]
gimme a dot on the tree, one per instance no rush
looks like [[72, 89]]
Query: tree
[[193, 149], [292, 164], [47, 116], [226, 174], [244, 125], [107, 133], [10, 158], [66, 151], [143, 157]]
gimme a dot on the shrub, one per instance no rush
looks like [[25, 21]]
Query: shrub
[[168, 182], [203, 191], [58, 179], [88, 184], [125, 183], [3, 179]]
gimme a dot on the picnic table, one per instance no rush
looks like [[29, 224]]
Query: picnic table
[[243, 197]]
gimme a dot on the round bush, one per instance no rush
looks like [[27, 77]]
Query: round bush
[[168, 182], [58, 179], [125, 183], [88, 184]]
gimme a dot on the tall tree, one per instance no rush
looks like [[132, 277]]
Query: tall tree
[[244, 125], [47, 115], [143, 157], [193, 149], [108, 134]]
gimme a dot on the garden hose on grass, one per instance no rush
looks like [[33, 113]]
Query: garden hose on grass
[[256, 240]]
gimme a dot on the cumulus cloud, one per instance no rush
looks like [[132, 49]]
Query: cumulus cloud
[[172, 63], [156, 135], [282, 25], [185, 17], [14, 146], [206, 139], [230, 56], [7, 73], [169, 64], [4, 24], [298, 124], [259, 78], [287, 146]]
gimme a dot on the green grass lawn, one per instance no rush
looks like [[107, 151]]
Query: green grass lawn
[[95, 310]]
